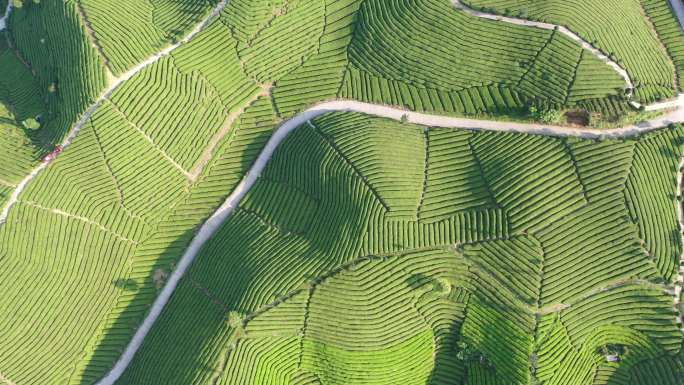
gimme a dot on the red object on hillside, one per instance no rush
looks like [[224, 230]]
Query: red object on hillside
[[51, 156]]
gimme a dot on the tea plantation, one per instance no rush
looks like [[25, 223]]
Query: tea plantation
[[642, 35], [375, 252], [368, 250]]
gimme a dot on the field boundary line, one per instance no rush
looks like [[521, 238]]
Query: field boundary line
[[209, 295], [458, 4], [533, 62], [426, 170], [227, 125], [305, 324], [151, 141], [679, 282], [106, 94], [112, 174], [89, 221], [7, 183], [94, 41], [339, 154], [572, 82]]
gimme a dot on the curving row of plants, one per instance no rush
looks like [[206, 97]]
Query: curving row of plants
[[534, 63], [618, 28], [650, 198], [324, 275], [154, 24]]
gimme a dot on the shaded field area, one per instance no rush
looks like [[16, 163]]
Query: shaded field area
[[373, 252]]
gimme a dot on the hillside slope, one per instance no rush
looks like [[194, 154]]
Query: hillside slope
[[91, 240], [389, 253]]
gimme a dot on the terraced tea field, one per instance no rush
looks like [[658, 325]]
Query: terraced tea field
[[642, 35], [340, 192], [334, 272]]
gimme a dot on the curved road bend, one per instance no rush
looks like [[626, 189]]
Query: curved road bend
[[529, 23], [214, 222], [113, 85]]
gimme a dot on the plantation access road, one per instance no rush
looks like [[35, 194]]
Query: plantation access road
[[528, 23], [211, 226], [3, 19]]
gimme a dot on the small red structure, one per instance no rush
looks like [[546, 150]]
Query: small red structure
[[51, 156]]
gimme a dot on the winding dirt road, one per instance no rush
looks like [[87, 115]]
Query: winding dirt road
[[209, 228], [3, 19], [536, 24]]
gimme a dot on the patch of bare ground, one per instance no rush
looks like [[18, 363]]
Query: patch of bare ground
[[159, 277], [577, 118]]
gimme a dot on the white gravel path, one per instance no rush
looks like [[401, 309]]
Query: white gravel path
[[3, 19], [512, 20], [209, 228]]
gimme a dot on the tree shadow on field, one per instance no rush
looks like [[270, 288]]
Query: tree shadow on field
[[54, 48], [248, 263], [470, 352], [118, 334]]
